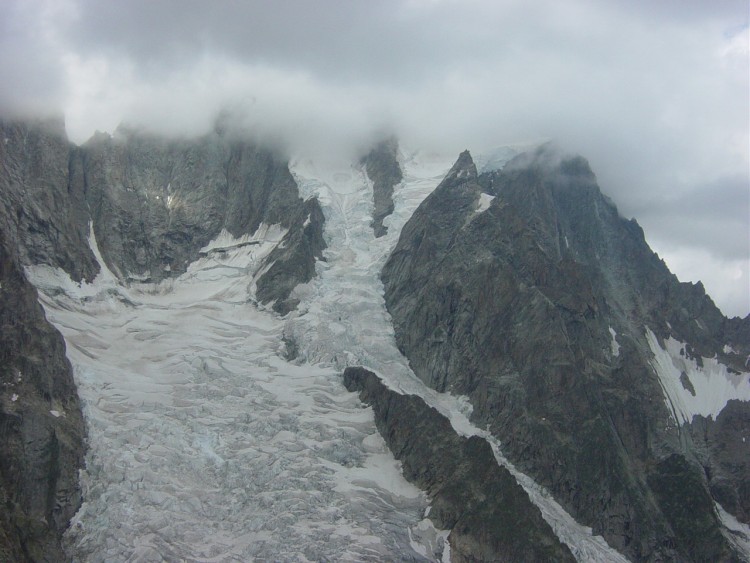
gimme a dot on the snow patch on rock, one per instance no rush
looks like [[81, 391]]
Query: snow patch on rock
[[485, 200], [614, 345], [690, 389], [737, 533], [49, 279], [429, 541]]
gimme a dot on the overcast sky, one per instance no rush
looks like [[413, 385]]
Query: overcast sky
[[654, 93]]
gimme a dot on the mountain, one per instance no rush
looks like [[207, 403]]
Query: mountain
[[544, 387], [153, 205], [41, 426], [382, 169], [526, 291]]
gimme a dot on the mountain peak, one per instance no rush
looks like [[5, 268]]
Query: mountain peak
[[463, 170], [550, 158]]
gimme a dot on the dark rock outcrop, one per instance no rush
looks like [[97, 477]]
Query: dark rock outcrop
[[293, 262], [490, 516], [515, 306], [384, 171], [156, 202], [722, 447], [43, 212], [153, 203], [42, 432]]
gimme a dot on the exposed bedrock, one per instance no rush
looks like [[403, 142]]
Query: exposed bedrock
[[42, 433], [156, 202], [153, 202], [43, 210], [384, 171], [490, 516], [525, 290]]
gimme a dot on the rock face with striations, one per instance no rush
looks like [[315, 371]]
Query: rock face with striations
[[41, 427], [156, 202], [383, 170], [153, 204], [490, 516], [43, 209], [525, 290]]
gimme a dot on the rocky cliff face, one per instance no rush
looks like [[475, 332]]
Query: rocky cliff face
[[41, 427], [525, 290], [383, 170], [154, 204], [490, 516], [43, 209]]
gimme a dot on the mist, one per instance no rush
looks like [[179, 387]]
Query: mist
[[654, 96]]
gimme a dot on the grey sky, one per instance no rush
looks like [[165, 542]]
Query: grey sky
[[655, 94]]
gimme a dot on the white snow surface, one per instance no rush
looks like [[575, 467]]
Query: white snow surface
[[735, 531], [485, 200], [206, 445], [614, 345], [713, 384]]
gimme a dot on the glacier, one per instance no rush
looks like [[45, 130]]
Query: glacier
[[209, 441], [204, 443]]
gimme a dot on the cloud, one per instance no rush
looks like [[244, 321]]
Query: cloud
[[727, 281], [32, 77], [654, 94]]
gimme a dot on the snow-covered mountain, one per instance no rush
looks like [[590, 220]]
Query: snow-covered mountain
[[396, 358]]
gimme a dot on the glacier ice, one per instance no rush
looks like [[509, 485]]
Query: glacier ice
[[206, 444]]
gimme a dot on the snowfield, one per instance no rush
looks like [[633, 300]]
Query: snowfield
[[691, 389], [208, 445]]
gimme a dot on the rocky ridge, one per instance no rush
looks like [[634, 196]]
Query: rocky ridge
[[156, 202], [42, 433], [511, 287], [490, 516], [153, 203], [383, 170]]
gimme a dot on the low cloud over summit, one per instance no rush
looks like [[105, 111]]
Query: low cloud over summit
[[653, 94]]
